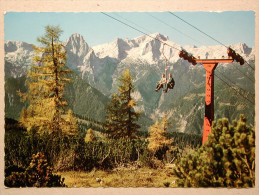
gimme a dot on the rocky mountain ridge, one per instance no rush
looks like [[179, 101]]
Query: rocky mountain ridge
[[102, 65], [142, 50]]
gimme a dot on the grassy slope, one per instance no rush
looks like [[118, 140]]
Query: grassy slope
[[142, 177]]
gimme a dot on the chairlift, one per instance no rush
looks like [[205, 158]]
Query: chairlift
[[172, 83]]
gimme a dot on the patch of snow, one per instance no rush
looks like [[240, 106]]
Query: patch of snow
[[137, 96]]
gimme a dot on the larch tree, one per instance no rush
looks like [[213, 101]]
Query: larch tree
[[71, 123], [158, 139], [89, 137], [46, 81], [120, 114]]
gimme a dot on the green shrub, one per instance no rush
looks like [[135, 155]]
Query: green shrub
[[227, 159], [16, 179], [66, 153], [166, 184], [13, 168], [37, 174]]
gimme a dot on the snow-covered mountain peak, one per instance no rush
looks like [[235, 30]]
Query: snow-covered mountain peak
[[14, 46], [114, 49], [77, 45], [217, 51], [241, 48], [151, 37], [16, 52], [18, 57], [160, 37], [77, 49], [147, 48], [76, 38]]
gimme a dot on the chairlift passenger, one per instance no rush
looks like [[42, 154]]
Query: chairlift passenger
[[170, 84], [161, 83]]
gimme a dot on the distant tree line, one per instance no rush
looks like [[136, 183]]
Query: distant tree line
[[89, 119]]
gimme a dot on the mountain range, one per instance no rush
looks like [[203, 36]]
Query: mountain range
[[97, 69]]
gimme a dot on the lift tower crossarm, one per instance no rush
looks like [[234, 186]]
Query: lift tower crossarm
[[207, 61]]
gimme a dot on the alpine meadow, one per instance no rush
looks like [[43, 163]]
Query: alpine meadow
[[134, 112]]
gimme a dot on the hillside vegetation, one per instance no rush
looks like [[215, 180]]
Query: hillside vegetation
[[186, 112]]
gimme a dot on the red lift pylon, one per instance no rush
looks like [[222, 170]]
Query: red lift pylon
[[210, 65]]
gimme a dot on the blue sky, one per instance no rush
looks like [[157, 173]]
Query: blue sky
[[96, 28]]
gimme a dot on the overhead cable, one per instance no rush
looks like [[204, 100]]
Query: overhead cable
[[174, 47], [234, 89], [205, 34], [173, 27], [139, 31]]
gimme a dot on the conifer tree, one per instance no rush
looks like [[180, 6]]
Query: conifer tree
[[71, 126], [128, 114], [89, 137], [113, 118], [157, 138], [23, 116], [120, 114], [46, 81], [227, 159]]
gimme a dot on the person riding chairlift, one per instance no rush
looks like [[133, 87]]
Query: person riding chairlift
[[160, 84], [170, 84]]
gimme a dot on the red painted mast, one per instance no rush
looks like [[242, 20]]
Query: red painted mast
[[209, 65]]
